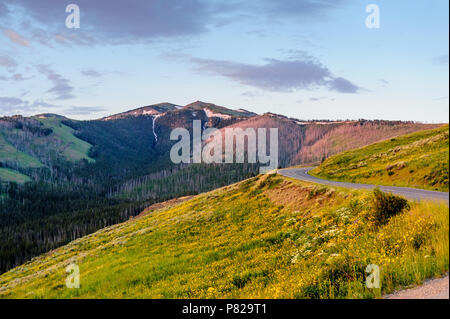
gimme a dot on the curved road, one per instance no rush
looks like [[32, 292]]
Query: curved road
[[433, 289], [410, 193]]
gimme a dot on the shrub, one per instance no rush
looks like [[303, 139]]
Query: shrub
[[242, 279], [335, 281], [309, 292], [384, 206], [317, 191]]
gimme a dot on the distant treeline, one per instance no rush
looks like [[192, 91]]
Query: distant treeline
[[38, 217]]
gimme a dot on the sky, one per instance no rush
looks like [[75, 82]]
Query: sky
[[308, 59]]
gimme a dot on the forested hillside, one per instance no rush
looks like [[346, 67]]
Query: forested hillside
[[62, 179]]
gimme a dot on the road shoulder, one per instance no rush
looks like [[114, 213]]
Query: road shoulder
[[437, 288]]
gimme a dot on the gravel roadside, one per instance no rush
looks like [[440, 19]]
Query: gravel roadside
[[431, 289]]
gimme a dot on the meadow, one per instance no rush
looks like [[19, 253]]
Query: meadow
[[27, 151], [266, 237], [73, 148], [10, 154], [10, 175]]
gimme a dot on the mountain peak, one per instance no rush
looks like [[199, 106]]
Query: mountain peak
[[211, 108], [150, 110], [199, 105], [49, 115]]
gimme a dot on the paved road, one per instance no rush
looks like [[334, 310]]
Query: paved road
[[410, 193], [433, 289]]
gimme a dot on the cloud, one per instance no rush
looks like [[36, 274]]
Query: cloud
[[48, 37], [84, 110], [343, 85], [62, 88], [251, 94], [40, 103], [91, 73], [14, 105], [14, 77], [142, 20], [123, 21], [3, 10], [277, 75], [442, 59], [317, 99], [383, 82], [7, 62], [6, 102], [18, 77], [15, 37], [305, 9]]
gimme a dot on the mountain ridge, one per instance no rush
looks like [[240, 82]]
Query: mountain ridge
[[302, 141], [161, 108]]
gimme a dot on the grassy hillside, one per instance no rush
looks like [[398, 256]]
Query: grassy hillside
[[325, 140], [9, 153], [311, 142], [419, 160], [266, 237], [10, 175], [71, 147], [32, 143]]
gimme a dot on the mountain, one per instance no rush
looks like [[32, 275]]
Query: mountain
[[417, 160], [309, 142], [135, 139], [61, 179], [265, 237], [213, 110], [152, 110], [49, 116]]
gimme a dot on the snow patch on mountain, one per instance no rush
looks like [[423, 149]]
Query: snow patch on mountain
[[149, 112], [210, 113], [154, 123]]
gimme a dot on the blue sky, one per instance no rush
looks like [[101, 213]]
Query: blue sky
[[307, 59]]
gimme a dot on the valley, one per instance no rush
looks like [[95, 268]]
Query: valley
[[63, 179]]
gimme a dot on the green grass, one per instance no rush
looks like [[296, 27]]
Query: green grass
[[73, 148], [61, 141], [267, 237], [9, 175], [418, 160], [10, 154]]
